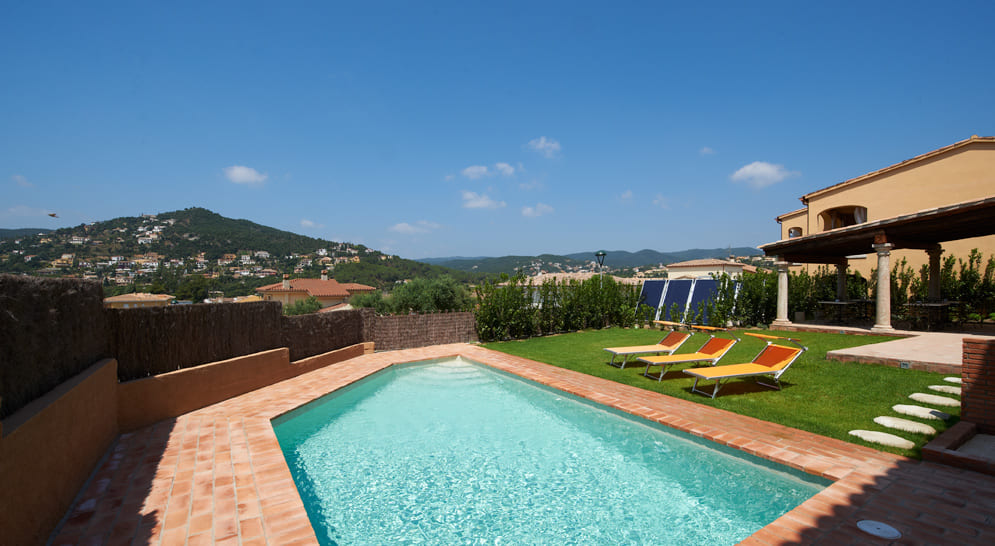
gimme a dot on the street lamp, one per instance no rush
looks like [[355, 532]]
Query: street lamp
[[600, 255]]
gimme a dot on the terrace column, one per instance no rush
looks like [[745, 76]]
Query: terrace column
[[782, 295], [934, 272], [882, 322], [841, 280]]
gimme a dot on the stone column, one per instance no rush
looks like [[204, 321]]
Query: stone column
[[782, 295], [934, 272], [882, 322], [841, 280]]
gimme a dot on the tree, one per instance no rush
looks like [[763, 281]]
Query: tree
[[303, 307]]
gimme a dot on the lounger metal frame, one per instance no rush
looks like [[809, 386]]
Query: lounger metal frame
[[666, 365], [625, 356], [775, 375]]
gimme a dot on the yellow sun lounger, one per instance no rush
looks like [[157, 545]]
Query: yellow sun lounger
[[713, 349], [668, 345], [772, 361]]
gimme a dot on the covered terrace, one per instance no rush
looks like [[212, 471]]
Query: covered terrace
[[923, 230]]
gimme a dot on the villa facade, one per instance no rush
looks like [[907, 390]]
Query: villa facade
[[963, 171]]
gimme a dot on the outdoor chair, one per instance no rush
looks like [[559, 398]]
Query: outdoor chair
[[772, 361], [667, 345], [712, 350]]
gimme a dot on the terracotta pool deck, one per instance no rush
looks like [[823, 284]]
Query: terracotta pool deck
[[217, 475]]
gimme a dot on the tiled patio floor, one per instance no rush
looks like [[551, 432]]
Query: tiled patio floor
[[217, 475]]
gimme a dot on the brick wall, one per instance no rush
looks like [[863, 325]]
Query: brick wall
[[409, 331], [978, 374]]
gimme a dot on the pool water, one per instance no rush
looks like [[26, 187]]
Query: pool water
[[454, 452]]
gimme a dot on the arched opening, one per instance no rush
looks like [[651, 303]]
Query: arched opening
[[794, 232], [840, 217]]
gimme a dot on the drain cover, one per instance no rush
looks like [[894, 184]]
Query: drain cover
[[878, 529]]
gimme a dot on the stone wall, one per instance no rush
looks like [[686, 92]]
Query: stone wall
[[978, 374]]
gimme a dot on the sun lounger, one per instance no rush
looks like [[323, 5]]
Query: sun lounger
[[667, 345], [772, 361], [713, 349]]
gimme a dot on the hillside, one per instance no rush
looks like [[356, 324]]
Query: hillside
[[21, 232], [616, 259], [160, 251]]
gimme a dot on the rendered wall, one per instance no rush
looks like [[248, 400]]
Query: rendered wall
[[961, 175], [50, 447]]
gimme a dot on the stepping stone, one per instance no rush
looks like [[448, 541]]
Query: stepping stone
[[934, 399], [953, 380], [920, 412], [882, 438], [906, 425], [945, 388]]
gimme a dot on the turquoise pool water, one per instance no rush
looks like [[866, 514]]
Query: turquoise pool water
[[453, 452]]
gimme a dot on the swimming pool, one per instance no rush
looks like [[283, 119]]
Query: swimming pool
[[457, 452]]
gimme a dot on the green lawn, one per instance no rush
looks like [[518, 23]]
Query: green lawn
[[818, 395]]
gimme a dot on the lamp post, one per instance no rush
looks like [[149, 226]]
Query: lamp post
[[600, 255]]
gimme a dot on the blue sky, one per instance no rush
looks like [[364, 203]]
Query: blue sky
[[470, 128]]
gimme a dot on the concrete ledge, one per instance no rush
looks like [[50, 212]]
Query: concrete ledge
[[943, 449], [935, 367], [49, 449], [146, 401]]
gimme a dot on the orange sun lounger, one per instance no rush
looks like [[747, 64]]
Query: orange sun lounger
[[713, 349], [667, 345], [772, 361]]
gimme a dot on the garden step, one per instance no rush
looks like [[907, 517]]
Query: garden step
[[905, 425], [934, 399], [883, 438], [953, 380], [920, 412], [949, 389]]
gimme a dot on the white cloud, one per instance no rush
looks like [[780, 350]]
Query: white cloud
[[706, 151], [504, 169], [421, 226], [473, 200], [538, 210], [761, 174], [626, 195], [449, 178], [310, 225], [21, 181], [245, 175], [535, 184], [546, 146], [661, 201], [474, 172]]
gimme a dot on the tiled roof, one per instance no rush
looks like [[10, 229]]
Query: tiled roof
[[356, 287], [707, 262], [314, 287], [139, 296]]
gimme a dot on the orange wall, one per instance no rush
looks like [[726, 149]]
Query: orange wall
[[50, 447], [146, 401]]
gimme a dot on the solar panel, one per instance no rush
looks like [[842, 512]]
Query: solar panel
[[677, 292]]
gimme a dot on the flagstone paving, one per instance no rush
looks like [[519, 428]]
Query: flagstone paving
[[217, 475]]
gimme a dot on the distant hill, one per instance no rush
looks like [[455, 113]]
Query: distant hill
[[21, 232], [108, 249], [622, 258], [616, 259]]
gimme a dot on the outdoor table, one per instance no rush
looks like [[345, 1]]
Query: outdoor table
[[843, 307], [936, 314]]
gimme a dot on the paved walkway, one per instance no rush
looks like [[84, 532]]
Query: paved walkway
[[940, 352], [217, 475]]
